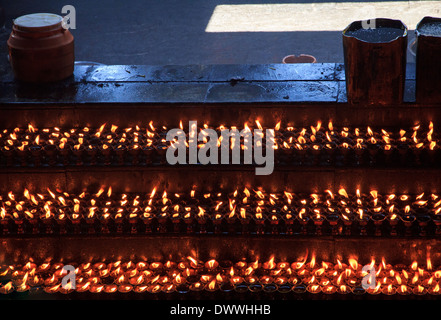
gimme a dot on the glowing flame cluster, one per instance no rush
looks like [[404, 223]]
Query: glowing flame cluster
[[244, 205], [329, 137], [314, 137], [191, 274]]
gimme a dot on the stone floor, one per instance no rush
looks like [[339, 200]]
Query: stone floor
[[166, 32]]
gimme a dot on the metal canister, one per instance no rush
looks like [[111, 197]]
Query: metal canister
[[428, 63], [375, 61]]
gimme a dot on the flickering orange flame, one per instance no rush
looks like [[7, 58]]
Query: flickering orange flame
[[193, 260], [343, 193], [301, 140], [353, 263], [211, 263], [270, 263], [47, 210], [212, 284], [259, 125]]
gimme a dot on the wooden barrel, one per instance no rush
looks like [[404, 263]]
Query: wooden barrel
[[428, 63], [40, 48], [375, 62]]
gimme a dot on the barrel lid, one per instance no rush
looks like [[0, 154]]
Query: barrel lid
[[37, 22], [385, 30], [429, 26]]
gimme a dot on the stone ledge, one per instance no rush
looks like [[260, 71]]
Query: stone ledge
[[266, 83]]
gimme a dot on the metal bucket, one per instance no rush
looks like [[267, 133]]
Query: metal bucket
[[375, 61], [428, 64]]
